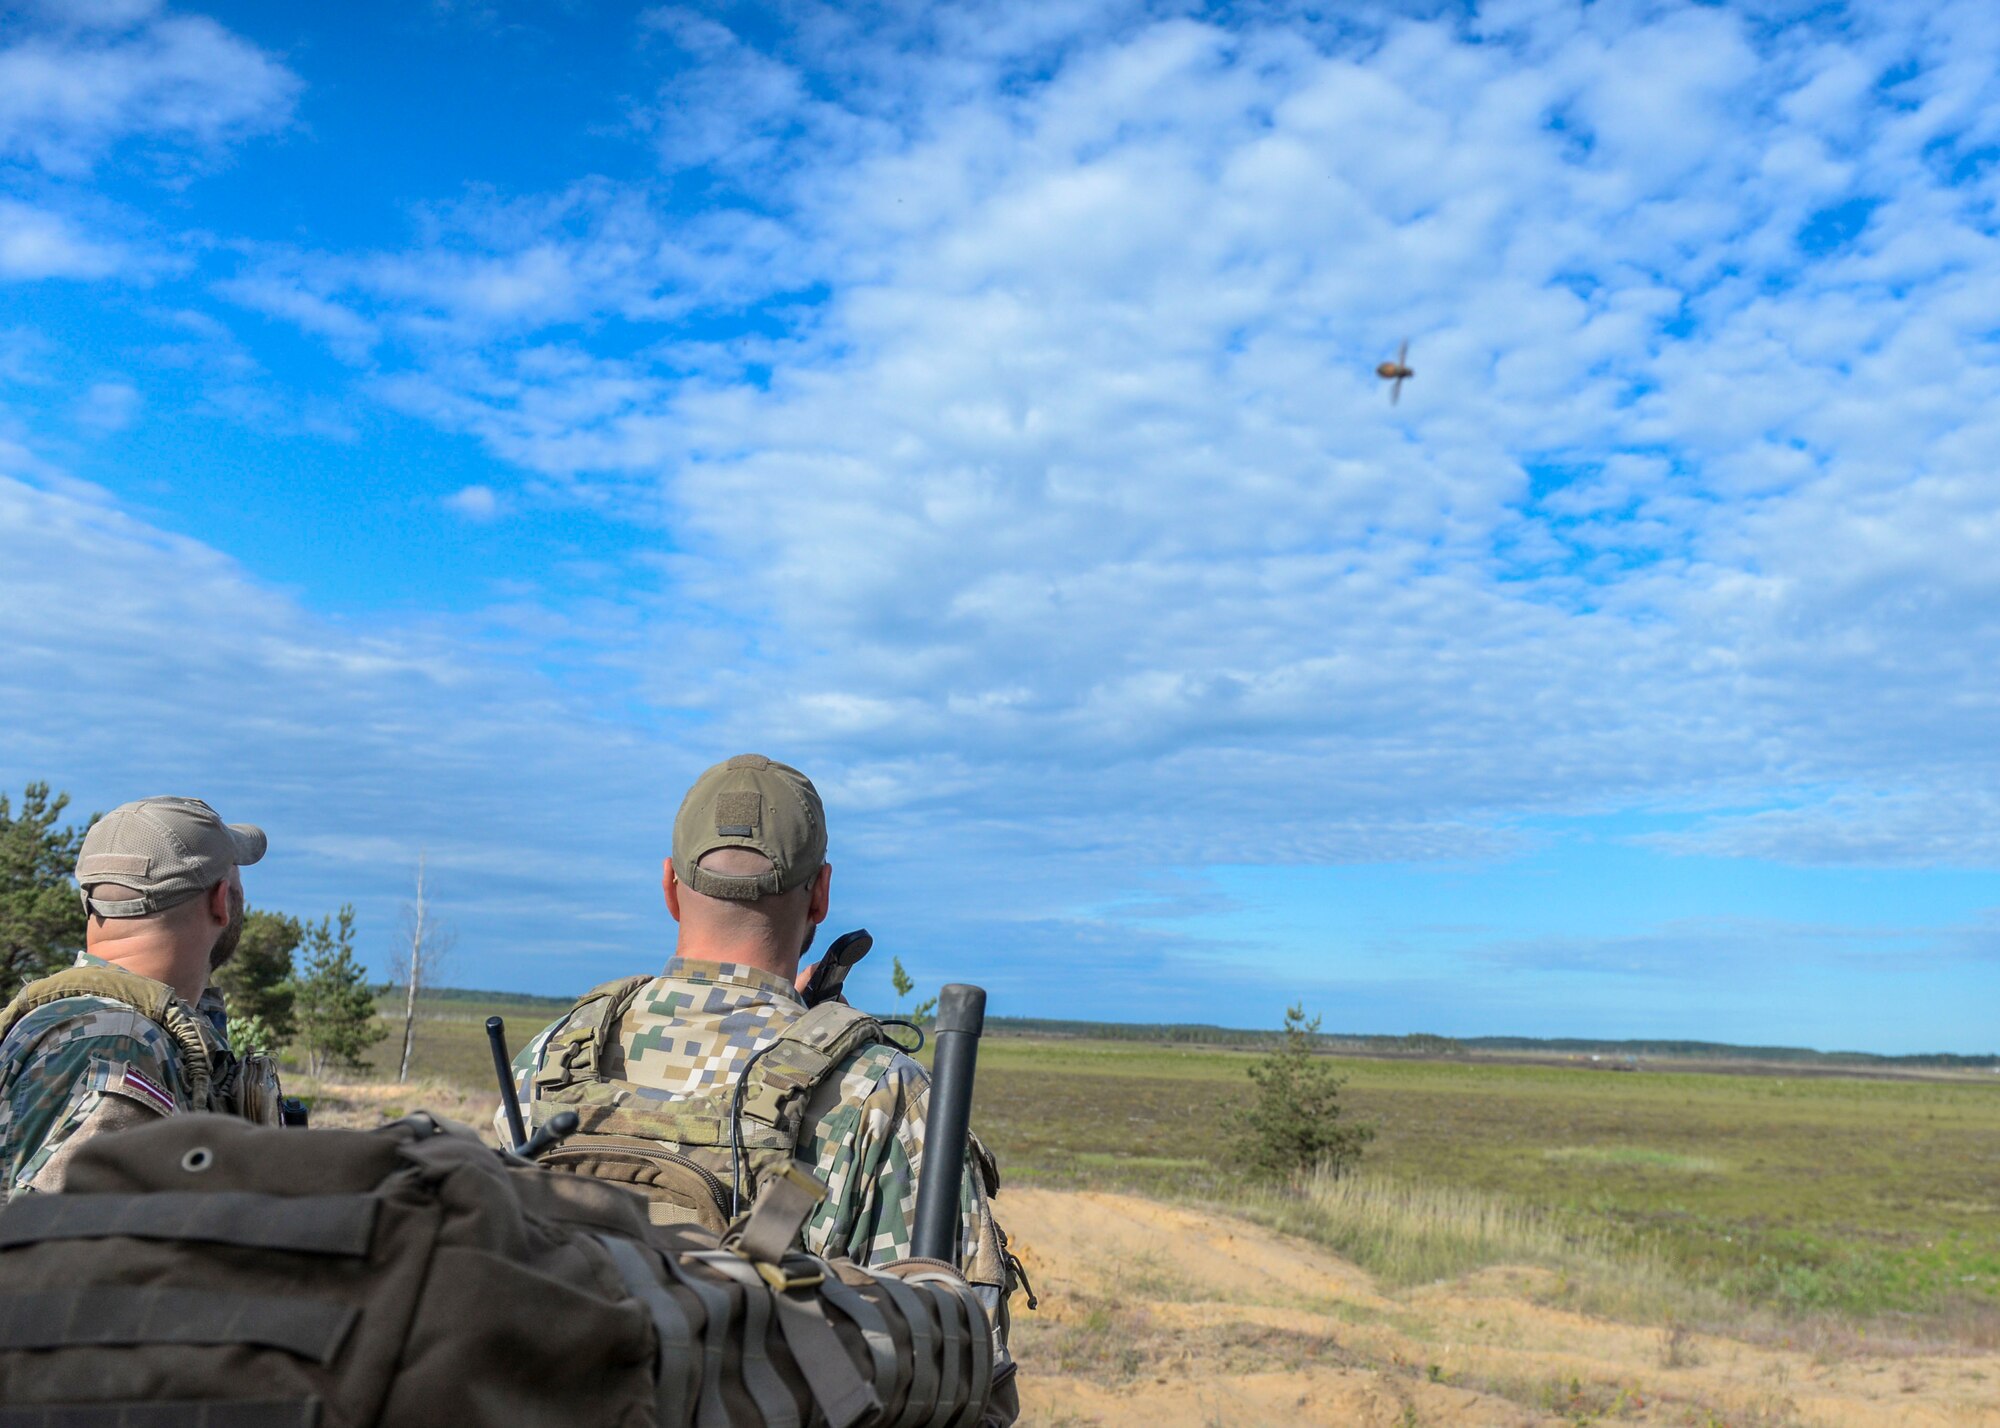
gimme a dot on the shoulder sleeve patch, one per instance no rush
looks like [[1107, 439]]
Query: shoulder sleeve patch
[[134, 1084]]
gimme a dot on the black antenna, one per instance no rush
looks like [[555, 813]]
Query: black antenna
[[503, 1067]]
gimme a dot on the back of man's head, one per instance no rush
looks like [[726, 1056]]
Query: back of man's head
[[749, 861], [148, 870], [159, 853]]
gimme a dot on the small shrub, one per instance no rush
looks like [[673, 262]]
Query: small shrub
[[1293, 1128]]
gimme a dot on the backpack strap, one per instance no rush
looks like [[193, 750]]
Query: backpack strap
[[806, 1053], [577, 1052], [153, 1000]]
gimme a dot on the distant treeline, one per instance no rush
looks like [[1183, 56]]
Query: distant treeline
[[1429, 1044], [529, 1000], [1418, 1043]]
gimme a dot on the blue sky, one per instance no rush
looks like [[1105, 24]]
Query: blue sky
[[450, 428]]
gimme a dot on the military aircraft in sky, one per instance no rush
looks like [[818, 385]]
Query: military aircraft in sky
[[1396, 372]]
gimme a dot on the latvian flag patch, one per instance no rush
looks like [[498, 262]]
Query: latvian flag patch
[[141, 1088]]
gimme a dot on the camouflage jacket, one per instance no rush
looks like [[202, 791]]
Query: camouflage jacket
[[695, 1027], [84, 1065]]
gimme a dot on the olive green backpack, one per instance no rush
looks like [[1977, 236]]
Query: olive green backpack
[[202, 1272], [696, 1159]]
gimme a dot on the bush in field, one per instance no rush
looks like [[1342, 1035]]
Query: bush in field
[[1294, 1128]]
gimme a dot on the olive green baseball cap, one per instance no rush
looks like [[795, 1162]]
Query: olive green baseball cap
[[165, 849], [756, 803]]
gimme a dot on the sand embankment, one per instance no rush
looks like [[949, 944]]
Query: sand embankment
[[1164, 1317]]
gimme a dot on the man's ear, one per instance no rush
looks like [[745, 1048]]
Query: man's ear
[[671, 886], [822, 895], [218, 903]]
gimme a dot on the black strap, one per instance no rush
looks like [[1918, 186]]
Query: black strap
[[313, 1329], [187, 1413], [306, 1224], [677, 1374]]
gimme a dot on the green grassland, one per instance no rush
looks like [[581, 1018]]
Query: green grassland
[[1857, 1196], [1847, 1194], [451, 1041]]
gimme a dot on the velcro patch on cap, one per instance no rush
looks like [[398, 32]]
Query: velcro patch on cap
[[139, 1087], [738, 814], [111, 865]]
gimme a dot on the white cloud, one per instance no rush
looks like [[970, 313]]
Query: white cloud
[[35, 243], [475, 503], [85, 79], [349, 335], [108, 406]]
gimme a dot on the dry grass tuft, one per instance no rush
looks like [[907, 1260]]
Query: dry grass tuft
[[362, 1105]]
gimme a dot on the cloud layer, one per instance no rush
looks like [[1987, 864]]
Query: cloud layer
[[988, 397], [1037, 437]]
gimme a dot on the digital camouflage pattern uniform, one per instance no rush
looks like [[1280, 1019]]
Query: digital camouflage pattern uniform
[[695, 1027], [84, 1065]]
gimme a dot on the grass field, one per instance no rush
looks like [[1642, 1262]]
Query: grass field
[[1857, 1197]]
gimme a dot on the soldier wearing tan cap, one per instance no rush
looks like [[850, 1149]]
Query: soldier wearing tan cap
[[718, 1062], [133, 1031]]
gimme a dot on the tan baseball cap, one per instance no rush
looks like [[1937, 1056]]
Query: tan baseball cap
[[167, 849], [757, 803]]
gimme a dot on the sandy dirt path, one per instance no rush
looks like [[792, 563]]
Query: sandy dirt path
[[1160, 1316]]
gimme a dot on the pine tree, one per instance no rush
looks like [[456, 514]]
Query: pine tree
[[1293, 1126], [41, 918], [259, 981], [335, 1007], [900, 981]]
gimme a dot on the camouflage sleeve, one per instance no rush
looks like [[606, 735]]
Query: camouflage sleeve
[[527, 1061], [869, 1148], [74, 1063], [868, 1145]]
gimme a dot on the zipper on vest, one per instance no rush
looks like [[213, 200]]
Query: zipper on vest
[[717, 1191]]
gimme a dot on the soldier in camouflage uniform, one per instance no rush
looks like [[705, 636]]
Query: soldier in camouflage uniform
[[133, 1031], [748, 884]]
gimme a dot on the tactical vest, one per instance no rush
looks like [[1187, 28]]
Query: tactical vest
[[692, 1157], [214, 1079]]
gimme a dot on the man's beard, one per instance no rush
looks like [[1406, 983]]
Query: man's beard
[[225, 945]]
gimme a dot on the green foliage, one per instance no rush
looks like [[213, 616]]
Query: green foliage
[[258, 980], [41, 919], [1293, 1126], [904, 984], [335, 1005], [252, 1033]]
